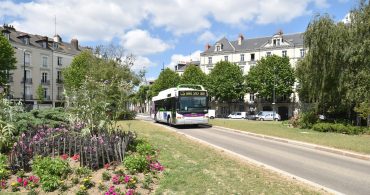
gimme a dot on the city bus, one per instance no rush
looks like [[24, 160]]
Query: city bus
[[181, 105]]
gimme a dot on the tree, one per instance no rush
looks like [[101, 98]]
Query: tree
[[40, 94], [226, 82], [193, 75], [270, 71], [75, 74], [142, 95], [7, 60], [167, 79], [321, 73]]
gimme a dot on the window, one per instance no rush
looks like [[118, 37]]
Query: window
[[252, 57], [28, 90], [44, 61], [284, 53], [251, 97], [27, 58], [242, 57], [44, 44], [55, 45], [226, 58], [44, 77], [302, 51], [26, 41], [274, 41], [45, 92], [59, 75], [278, 42], [60, 61], [209, 60], [218, 48], [268, 53]]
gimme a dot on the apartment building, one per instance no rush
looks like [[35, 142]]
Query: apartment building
[[182, 65], [40, 60], [245, 52]]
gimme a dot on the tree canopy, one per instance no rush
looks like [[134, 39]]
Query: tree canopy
[[7, 59], [226, 82], [194, 75], [335, 73], [269, 71], [166, 79]]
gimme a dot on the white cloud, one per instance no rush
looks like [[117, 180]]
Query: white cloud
[[207, 37], [195, 56], [140, 42], [92, 20], [142, 62]]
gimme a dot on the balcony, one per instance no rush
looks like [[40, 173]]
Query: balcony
[[45, 82], [29, 97], [47, 98], [28, 80], [59, 81], [60, 97], [242, 63], [209, 65]]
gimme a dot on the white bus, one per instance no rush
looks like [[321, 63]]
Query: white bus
[[182, 105]]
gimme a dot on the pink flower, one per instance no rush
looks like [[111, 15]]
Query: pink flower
[[19, 180], [106, 166], [115, 180], [64, 156], [25, 183], [130, 192], [127, 178]]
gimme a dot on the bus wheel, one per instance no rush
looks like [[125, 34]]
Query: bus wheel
[[169, 121]]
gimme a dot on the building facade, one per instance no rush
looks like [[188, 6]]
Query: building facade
[[40, 61], [182, 65], [246, 53]]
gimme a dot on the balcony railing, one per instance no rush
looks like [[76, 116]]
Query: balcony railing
[[47, 98], [59, 81], [45, 82], [29, 97], [28, 80], [60, 97], [242, 63]]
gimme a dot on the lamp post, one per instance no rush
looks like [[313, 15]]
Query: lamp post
[[24, 73], [273, 94]]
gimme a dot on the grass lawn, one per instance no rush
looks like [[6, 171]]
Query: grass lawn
[[193, 168], [357, 143]]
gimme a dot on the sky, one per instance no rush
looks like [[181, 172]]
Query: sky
[[162, 32]]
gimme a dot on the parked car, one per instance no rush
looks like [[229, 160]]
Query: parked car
[[211, 114], [237, 115], [251, 117], [268, 116]]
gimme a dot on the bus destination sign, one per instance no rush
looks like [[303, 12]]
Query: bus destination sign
[[192, 93]]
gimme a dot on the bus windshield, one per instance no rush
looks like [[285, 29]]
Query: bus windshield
[[193, 104]]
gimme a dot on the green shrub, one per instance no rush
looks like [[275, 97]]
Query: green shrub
[[83, 171], [145, 148], [338, 128], [7, 132], [307, 120], [51, 171], [126, 115], [106, 176], [136, 163], [4, 172]]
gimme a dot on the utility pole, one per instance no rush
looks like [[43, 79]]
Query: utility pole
[[273, 94]]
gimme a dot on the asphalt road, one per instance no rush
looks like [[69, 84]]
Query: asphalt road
[[340, 173]]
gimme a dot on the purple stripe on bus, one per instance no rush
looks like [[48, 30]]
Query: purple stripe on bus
[[193, 115]]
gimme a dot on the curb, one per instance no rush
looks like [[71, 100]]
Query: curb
[[254, 162], [303, 144]]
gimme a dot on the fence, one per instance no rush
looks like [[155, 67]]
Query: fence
[[94, 151]]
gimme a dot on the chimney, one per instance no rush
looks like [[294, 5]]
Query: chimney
[[207, 47], [240, 39], [74, 43], [57, 39]]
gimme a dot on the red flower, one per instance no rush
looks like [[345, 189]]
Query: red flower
[[64, 156], [19, 180], [106, 166], [76, 157]]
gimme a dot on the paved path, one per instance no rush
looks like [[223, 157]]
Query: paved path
[[340, 173]]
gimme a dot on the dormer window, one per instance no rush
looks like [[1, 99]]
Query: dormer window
[[55, 45], [219, 47], [44, 44], [277, 41], [26, 40]]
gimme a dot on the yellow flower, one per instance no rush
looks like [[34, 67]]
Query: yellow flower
[[14, 184]]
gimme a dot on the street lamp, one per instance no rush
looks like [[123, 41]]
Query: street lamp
[[273, 94], [24, 73]]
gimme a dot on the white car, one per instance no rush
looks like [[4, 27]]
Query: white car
[[268, 116], [237, 115]]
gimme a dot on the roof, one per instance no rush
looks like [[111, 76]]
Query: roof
[[182, 66], [252, 44], [36, 41]]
